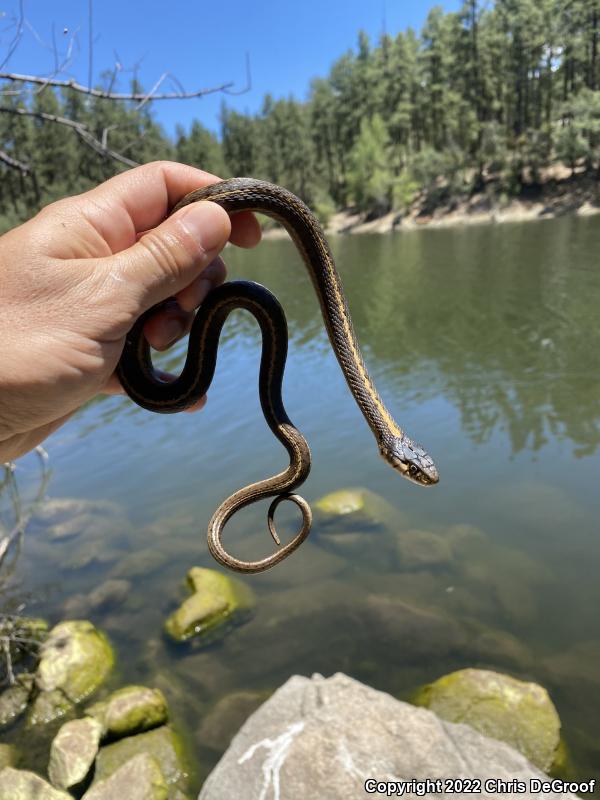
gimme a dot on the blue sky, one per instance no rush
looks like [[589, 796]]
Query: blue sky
[[204, 44]]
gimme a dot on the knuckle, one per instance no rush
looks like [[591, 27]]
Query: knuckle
[[164, 252]]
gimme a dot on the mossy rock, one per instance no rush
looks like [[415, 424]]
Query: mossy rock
[[75, 658], [48, 707], [130, 710], [162, 744], [356, 508], [217, 599], [19, 784], [140, 778], [501, 707], [14, 700], [73, 751]]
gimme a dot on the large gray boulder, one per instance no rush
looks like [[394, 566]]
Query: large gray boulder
[[339, 734]]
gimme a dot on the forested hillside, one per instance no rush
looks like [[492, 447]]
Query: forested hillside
[[481, 99]]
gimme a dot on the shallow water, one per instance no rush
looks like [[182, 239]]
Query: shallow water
[[485, 344]]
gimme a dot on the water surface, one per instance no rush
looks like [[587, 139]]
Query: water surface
[[485, 344]]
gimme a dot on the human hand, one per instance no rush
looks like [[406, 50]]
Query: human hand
[[75, 278]]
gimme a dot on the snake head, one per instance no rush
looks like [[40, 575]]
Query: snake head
[[410, 460]]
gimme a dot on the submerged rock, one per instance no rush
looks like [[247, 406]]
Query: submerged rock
[[19, 784], [110, 593], [48, 707], [518, 713], [76, 658], [139, 778], [14, 700], [216, 599], [221, 723], [56, 510], [346, 520], [141, 562], [161, 744], [73, 751], [130, 710], [361, 508], [422, 550]]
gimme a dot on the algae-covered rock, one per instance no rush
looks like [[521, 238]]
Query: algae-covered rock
[[130, 710], [14, 700], [9, 756], [48, 707], [161, 744], [73, 751], [19, 784], [346, 520], [76, 658], [360, 508], [518, 713], [419, 549], [138, 779], [216, 599]]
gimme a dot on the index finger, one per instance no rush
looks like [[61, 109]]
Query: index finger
[[140, 199]]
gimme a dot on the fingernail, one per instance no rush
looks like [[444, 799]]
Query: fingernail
[[204, 287], [207, 224]]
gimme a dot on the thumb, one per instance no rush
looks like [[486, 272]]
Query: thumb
[[168, 258]]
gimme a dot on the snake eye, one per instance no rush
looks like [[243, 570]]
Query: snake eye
[[413, 470]]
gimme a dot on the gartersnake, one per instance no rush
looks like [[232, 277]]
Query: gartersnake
[[139, 381]]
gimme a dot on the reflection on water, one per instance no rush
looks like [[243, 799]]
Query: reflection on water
[[485, 345]]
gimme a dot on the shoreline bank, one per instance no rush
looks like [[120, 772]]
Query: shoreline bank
[[577, 195]]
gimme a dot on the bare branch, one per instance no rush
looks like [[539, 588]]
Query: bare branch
[[135, 96], [17, 37], [90, 42], [13, 163], [248, 85], [23, 516], [150, 94], [80, 129]]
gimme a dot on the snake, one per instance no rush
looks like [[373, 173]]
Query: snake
[[144, 386]]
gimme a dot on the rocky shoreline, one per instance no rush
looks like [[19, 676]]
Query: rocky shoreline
[[78, 731]]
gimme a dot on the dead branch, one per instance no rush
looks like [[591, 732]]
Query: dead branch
[[12, 162], [107, 95], [80, 129], [20, 24], [22, 516]]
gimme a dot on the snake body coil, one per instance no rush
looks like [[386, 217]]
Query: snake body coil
[[137, 377]]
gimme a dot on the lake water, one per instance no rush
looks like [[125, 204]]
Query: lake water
[[485, 344]]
